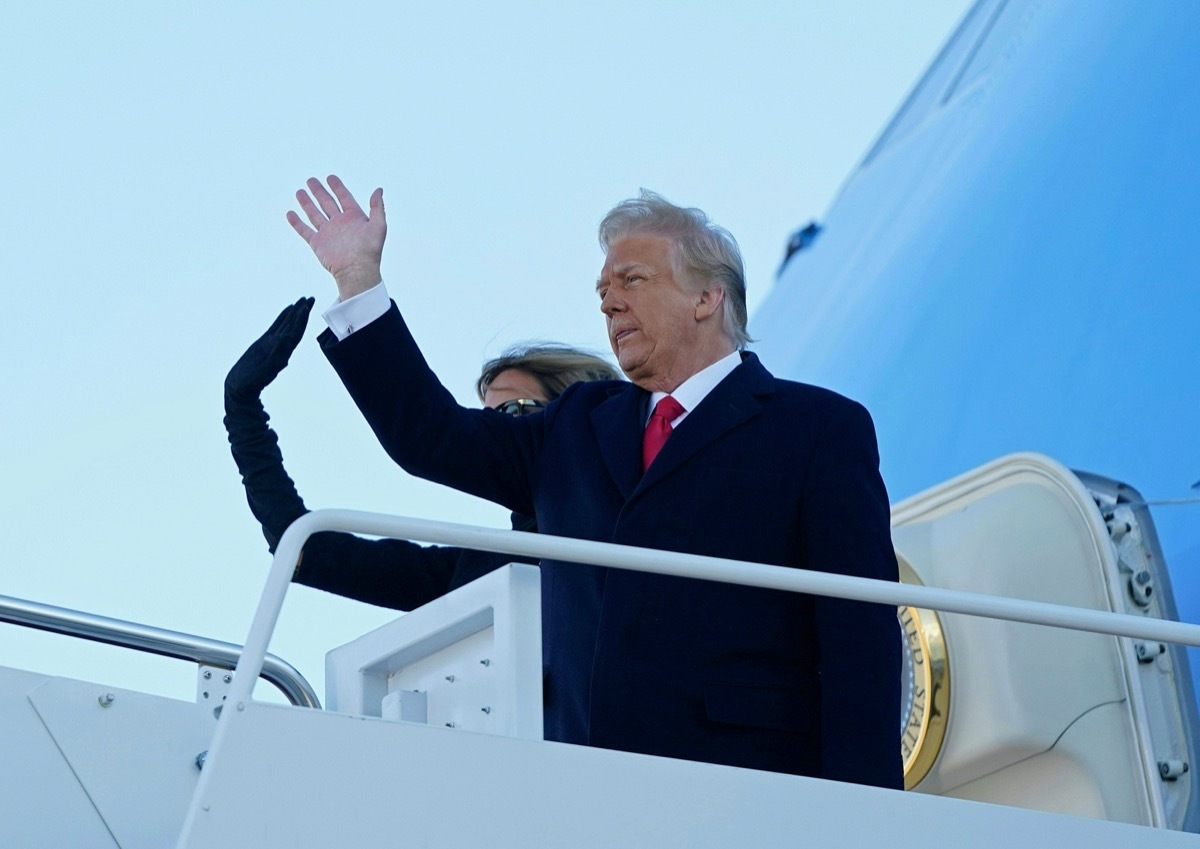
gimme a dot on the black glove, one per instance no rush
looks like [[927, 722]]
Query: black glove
[[270, 492], [266, 358]]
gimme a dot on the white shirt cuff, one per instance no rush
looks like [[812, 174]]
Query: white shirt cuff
[[344, 317]]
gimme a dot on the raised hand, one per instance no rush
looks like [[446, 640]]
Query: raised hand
[[347, 241], [264, 359]]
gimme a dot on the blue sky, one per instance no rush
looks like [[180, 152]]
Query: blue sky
[[152, 151]]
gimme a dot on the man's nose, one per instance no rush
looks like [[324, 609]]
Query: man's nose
[[610, 304]]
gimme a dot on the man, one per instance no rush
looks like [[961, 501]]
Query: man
[[734, 464]]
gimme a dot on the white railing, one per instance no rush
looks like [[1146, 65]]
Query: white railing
[[549, 547]]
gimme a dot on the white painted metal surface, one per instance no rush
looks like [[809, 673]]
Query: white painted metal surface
[[367, 782], [1041, 717], [471, 659], [42, 804], [84, 765]]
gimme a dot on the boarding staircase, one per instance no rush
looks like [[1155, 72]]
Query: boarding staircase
[[1060, 709]]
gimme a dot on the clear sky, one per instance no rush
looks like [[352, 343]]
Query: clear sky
[[152, 150]]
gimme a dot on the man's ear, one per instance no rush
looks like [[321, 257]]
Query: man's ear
[[709, 303]]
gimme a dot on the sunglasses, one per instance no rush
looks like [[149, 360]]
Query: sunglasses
[[520, 406]]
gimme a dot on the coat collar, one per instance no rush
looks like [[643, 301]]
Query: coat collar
[[619, 421]]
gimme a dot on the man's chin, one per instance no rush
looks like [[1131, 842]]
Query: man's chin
[[641, 376], [632, 366]]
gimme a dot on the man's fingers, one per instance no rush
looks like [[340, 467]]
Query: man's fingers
[[328, 205], [303, 230], [343, 238], [349, 204], [378, 213], [317, 215]]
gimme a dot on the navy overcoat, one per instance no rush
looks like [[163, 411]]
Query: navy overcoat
[[763, 470]]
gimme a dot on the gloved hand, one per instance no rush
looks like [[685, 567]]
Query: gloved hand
[[270, 492], [266, 358]]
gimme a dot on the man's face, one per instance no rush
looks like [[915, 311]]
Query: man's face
[[651, 315]]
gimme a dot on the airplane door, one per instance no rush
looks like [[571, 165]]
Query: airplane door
[[1030, 715]]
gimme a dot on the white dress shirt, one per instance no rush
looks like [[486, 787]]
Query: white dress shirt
[[695, 389]]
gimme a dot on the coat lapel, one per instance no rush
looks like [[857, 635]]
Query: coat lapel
[[736, 399], [619, 422], [618, 426]]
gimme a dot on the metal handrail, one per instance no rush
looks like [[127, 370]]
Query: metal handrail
[[130, 635], [287, 553]]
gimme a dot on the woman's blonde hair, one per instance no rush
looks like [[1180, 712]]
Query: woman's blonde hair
[[555, 366]]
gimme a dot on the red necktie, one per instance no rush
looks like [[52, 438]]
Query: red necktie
[[659, 428]]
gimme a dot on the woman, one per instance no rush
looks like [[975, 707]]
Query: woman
[[391, 573]]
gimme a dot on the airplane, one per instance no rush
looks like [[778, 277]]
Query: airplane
[[1010, 266], [1006, 281]]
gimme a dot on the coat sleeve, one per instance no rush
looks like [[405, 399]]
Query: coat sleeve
[[389, 572], [422, 427], [847, 528]]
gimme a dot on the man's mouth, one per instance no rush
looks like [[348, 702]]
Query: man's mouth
[[623, 333]]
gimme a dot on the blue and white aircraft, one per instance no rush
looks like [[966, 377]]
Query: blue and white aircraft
[[1014, 267]]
